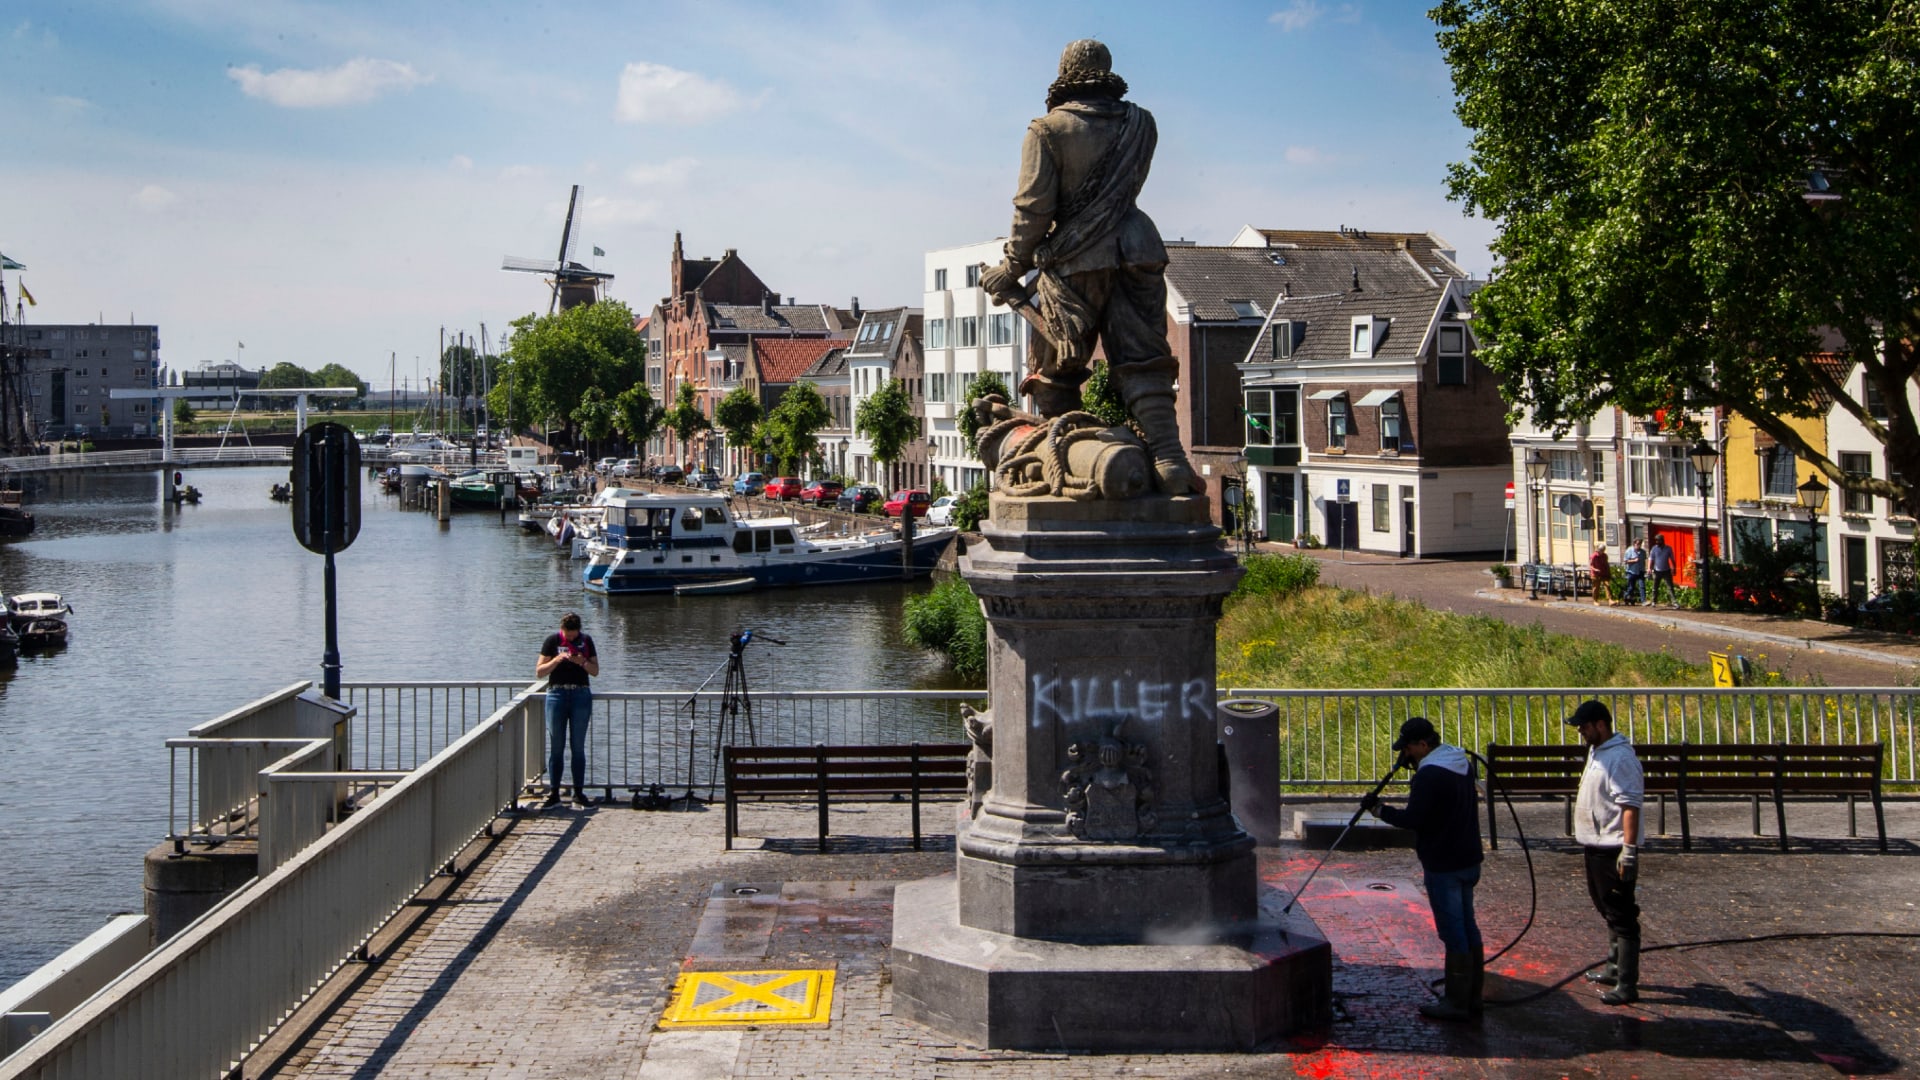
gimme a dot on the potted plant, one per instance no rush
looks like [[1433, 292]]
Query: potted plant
[[1502, 575]]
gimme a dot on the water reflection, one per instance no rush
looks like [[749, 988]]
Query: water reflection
[[182, 612]]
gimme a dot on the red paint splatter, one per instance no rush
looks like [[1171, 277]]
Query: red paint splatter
[[1332, 1064]]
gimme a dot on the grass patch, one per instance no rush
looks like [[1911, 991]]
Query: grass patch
[[948, 620]]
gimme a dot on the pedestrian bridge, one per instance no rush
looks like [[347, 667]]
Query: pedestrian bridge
[[222, 456], [358, 805]]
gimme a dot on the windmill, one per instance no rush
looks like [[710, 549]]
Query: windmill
[[572, 284]]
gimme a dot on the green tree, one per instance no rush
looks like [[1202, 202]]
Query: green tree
[[790, 427], [459, 369], [182, 412], [637, 416], [556, 358], [286, 376], [337, 375], [1102, 400], [988, 382], [505, 403], [1690, 197], [739, 414], [685, 419], [886, 418], [594, 417]]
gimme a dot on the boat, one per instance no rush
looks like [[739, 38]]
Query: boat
[[716, 588], [40, 619], [280, 493], [15, 519], [662, 542], [479, 490]]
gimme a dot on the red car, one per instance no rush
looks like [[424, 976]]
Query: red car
[[783, 487], [919, 501], [821, 492]]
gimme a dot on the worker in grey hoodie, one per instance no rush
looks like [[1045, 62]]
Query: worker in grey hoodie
[[1443, 812]]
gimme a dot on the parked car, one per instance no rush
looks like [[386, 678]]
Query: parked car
[[859, 499], [627, 467], [605, 466], [919, 502], [941, 512], [783, 488], [668, 474], [752, 483], [704, 479], [821, 492]]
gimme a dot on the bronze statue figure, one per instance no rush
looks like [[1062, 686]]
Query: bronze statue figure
[[1099, 264]]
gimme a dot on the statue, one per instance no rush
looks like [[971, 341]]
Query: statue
[[979, 727], [1099, 271]]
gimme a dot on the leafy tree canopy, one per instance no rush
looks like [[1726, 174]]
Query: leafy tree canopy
[[685, 419], [286, 376], [637, 415], [886, 418], [337, 375], [594, 415], [557, 357], [1694, 201], [738, 414], [790, 427], [988, 382]]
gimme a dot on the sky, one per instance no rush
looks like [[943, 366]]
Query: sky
[[337, 182]]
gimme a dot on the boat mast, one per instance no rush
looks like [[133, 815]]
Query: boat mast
[[392, 360]]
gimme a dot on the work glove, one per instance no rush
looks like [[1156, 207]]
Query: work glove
[[1369, 803], [1002, 282], [1628, 864]]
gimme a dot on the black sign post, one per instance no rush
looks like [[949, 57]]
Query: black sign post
[[326, 515]]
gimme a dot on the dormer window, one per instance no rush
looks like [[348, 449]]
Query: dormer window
[[1283, 339], [1450, 368], [1368, 333]]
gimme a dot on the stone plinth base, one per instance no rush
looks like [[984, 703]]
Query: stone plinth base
[[1232, 991]]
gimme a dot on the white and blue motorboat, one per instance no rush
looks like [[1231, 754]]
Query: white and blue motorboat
[[662, 542]]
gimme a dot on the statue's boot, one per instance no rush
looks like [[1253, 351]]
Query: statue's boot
[[1154, 414], [1051, 398]]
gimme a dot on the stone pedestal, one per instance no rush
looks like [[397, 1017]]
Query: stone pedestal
[[1104, 869]]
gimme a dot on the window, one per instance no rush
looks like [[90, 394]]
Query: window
[[1000, 329], [1657, 469], [1260, 418], [966, 331], [1362, 337], [1382, 508], [973, 275], [966, 387], [936, 386], [1567, 465], [1245, 309], [1451, 368], [1876, 405], [1599, 467], [1777, 473], [940, 280], [937, 332], [1861, 465], [1282, 339], [1337, 423], [1391, 424]]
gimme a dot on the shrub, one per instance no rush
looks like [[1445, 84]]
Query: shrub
[[1277, 575], [971, 508], [948, 620]]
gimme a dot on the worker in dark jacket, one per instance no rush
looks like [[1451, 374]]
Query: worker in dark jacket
[[1443, 812]]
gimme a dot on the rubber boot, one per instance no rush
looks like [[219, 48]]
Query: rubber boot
[[1453, 1005], [1609, 974], [1476, 979], [1158, 421], [1627, 990]]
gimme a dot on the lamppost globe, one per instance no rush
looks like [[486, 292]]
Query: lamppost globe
[[1703, 456], [1813, 496]]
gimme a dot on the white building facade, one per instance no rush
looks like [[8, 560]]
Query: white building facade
[[966, 335]]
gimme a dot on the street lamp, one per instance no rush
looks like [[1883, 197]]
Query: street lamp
[[1813, 496], [1703, 456], [1536, 475]]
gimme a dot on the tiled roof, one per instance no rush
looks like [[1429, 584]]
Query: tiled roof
[[1428, 250], [785, 360], [1207, 278], [1329, 324], [832, 363], [800, 318], [882, 329]]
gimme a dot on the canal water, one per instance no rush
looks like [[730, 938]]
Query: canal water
[[182, 613]]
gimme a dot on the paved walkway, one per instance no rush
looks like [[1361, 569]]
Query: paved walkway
[[1799, 648], [556, 955]]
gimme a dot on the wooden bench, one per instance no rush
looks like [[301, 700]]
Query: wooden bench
[[1682, 770], [822, 773]]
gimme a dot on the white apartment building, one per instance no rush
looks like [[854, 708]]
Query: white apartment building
[[966, 335]]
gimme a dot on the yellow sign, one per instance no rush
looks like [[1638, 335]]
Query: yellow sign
[[720, 998], [1722, 670]]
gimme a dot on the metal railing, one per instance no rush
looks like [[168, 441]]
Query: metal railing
[[1336, 737], [201, 1001], [151, 458]]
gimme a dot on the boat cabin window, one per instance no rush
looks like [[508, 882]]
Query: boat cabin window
[[743, 542], [690, 519], [783, 536], [716, 516]]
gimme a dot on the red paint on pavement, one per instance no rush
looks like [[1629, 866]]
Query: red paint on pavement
[[1332, 1064]]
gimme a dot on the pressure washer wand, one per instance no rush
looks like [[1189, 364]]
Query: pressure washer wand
[[1351, 822]]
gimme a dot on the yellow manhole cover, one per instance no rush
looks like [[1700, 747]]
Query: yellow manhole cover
[[712, 998]]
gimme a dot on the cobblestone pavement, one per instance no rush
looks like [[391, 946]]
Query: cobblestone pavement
[[556, 956], [1802, 649]]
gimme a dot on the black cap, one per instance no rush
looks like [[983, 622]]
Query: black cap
[[1416, 729], [1587, 712]]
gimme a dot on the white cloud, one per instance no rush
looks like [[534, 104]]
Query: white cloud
[[1306, 155], [1297, 16], [667, 174], [355, 82], [461, 162], [154, 197], [657, 94], [602, 211]]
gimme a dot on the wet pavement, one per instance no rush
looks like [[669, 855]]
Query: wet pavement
[[1800, 649], [555, 957]]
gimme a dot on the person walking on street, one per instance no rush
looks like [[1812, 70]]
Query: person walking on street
[[1635, 562], [1660, 565], [1600, 569], [1442, 810], [568, 661], [1606, 823]]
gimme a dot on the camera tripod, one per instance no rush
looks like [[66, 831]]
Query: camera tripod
[[736, 708]]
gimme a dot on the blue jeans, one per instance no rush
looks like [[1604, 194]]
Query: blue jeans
[[1635, 590], [1451, 896], [569, 710]]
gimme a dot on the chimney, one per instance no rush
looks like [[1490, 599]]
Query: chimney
[[856, 307], [1356, 278], [766, 302]]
